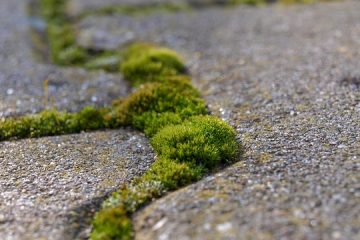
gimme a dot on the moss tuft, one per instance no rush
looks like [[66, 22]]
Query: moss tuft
[[63, 48], [112, 223], [52, 122], [202, 140], [53, 10], [171, 101], [172, 174], [152, 122], [146, 63]]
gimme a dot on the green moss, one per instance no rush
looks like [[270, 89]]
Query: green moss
[[135, 195], [170, 101], [63, 47], [172, 174], [205, 141], [145, 63], [152, 122], [186, 152], [112, 223], [53, 10], [52, 122]]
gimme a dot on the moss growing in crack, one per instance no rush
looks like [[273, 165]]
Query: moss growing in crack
[[121, 204], [155, 105], [202, 140], [186, 152], [173, 174], [153, 122], [52, 122], [112, 223], [146, 63], [63, 48], [61, 34], [53, 10]]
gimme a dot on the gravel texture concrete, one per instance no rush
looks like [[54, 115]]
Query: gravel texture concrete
[[51, 187], [287, 78], [22, 78]]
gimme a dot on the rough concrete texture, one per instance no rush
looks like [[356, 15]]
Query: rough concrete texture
[[287, 78], [22, 78], [51, 187]]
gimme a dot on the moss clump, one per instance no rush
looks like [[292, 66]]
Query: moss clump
[[202, 140], [135, 195], [61, 35], [112, 223], [62, 43], [151, 122], [186, 152], [146, 63], [52, 122], [173, 174], [53, 10], [155, 105]]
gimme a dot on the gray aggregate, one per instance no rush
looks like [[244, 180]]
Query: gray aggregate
[[52, 186]]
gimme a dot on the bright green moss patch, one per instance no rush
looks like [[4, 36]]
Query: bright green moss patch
[[61, 34], [52, 122], [145, 63], [151, 122], [112, 223], [173, 174], [203, 140], [62, 44], [155, 105]]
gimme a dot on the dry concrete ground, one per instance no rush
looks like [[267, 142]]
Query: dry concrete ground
[[286, 78]]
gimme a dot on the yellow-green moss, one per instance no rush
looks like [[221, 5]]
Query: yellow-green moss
[[186, 152], [205, 141], [53, 122], [145, 63], [112, 223], [155, 105]]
